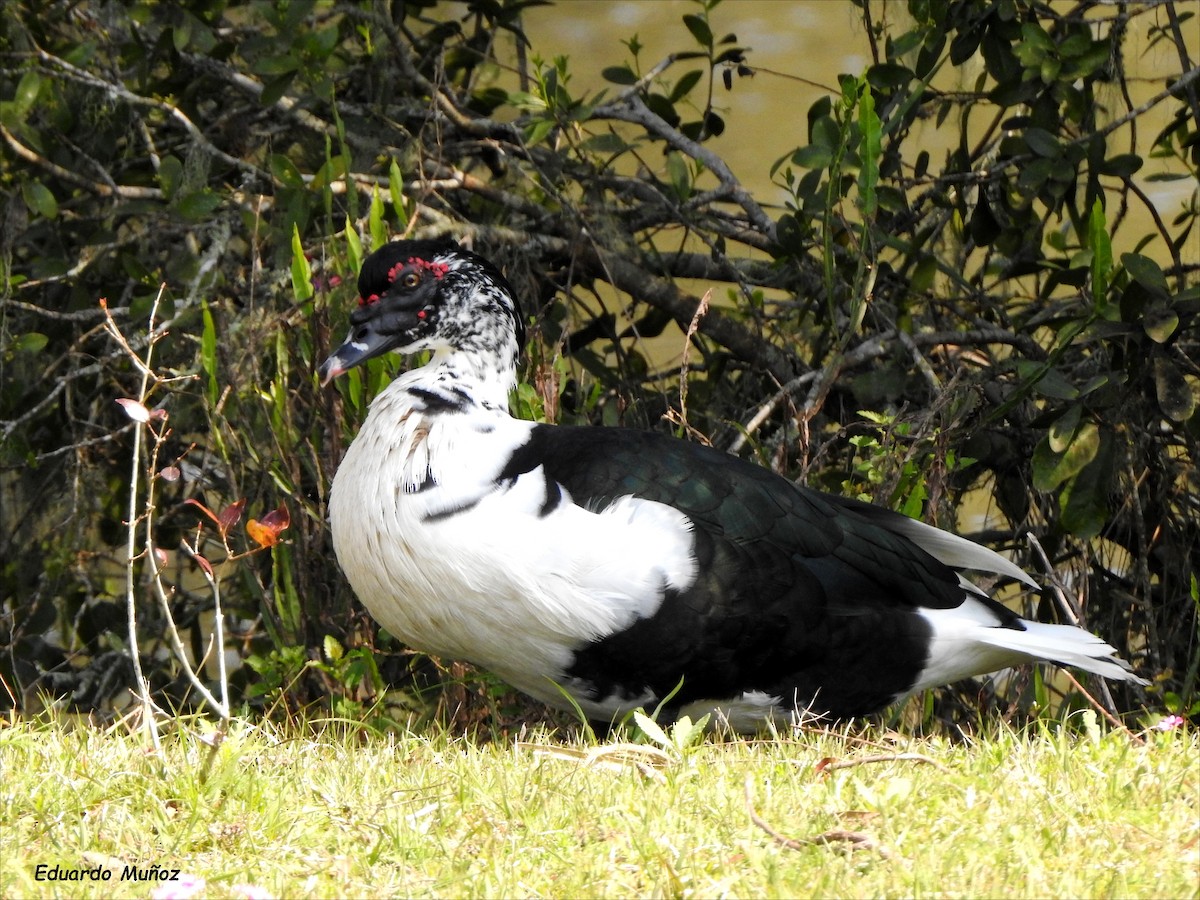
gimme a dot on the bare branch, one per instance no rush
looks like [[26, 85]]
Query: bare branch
[[127, 192], [633, 109], [118, 91]]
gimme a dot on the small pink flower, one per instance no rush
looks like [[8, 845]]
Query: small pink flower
[[1169, 723], [186, 887], [251, 892]]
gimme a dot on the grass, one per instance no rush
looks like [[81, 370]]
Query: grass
[[1049, 813]]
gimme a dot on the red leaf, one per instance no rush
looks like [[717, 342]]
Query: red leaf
[[277, 519], [134, 410], [266, 532], [204, 564], [204, 509], [230, 515]]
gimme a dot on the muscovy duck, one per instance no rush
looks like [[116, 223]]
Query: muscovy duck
[[620, 566]]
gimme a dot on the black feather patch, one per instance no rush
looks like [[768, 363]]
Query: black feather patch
[[553, 497], [450, 512], [772, 557], [435, 402]]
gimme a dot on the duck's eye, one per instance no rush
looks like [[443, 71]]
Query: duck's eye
[[410, 279]]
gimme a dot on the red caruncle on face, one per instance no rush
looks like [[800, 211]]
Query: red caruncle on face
[[436, 269]]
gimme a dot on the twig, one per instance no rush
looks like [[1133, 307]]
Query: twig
[[176, 641], [174, 112], [920, 361], [214, 585], [1184, 62], [829, 764], [1112, 720], [146, 519], [693, 327], [1075, 615], [1068, 608], [857, 840], [128, 192], [646, 80], [82, 315], [149, 720], [633, 109], [864, 352]]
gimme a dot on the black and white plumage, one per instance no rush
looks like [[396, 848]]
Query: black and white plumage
[[618, 565]]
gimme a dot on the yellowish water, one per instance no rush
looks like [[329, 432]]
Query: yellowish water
[[798, 48]]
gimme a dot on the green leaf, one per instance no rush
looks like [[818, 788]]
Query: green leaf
[[39, 199], [198, 204], [1063, 429], [375, 226], [354, 250], [651, 729], [538, 130], [826, 133], [678, 174], [322, 42], [1034, 45], [684, 85], [700, 30], [170, 176], [26, 93], [1145, 272], [869, 152], [1102, 261], [276, 65], [1046, 380], [905, 43], [1085, 499], [1122, 165], [1075, 45], [284, 171], [30, 342], [812, 157], [1042, 142], [886, 76], [396, 189], [619, 75], [208, 354], [1159, 322], [924, 274], [686, 733], [275, 88], [302, 287], [1176, 398], [1051, 469], [607, 143], [335, 168]]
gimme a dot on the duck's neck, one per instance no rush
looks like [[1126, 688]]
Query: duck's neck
[[485, 378]]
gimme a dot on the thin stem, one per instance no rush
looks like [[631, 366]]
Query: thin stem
[[149, 720], [214, 584], [176, 641]]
